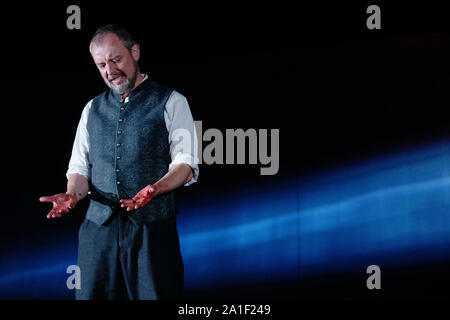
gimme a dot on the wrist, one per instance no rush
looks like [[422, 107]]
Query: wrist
[[157, 190], [74, 194]]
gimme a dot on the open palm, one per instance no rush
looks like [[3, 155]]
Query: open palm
[[139, 200], [62, 203]]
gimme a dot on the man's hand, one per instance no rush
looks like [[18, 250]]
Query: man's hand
[[140, 199], [62, 203]]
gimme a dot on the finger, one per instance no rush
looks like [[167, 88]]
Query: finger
[[72, 203], [131, 207], [138, 205], [57, 213], [127, 203], [47, 198], [51, 213], [124, 205]]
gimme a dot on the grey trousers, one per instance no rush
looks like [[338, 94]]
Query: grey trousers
[[121, 260]]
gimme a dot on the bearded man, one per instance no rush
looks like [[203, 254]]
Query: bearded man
[[125, 156]]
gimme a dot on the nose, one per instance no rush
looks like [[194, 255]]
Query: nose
[[110, 69]]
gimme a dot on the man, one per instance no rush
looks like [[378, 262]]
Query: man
[[126, 156]]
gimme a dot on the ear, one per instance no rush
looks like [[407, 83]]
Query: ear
[[135, 52]]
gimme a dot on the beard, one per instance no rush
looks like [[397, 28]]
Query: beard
[[127, 85]]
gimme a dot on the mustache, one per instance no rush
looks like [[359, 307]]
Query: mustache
[[115, 76]]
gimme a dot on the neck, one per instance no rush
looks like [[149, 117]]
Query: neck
[[139, 79]]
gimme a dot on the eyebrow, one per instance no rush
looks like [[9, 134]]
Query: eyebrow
[[113, 58]]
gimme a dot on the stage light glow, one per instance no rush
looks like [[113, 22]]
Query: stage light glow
[[391, 211]]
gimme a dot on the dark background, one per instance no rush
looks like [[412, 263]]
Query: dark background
[[337, 91]]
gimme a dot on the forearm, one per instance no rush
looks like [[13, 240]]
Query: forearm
[[77, 185], [178, 175]]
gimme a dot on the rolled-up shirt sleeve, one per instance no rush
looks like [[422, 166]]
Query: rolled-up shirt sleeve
[[79, 160], [182, 134]]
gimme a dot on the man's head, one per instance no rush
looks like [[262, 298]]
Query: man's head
[[116, 53]]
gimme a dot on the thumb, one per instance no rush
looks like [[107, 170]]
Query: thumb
[[46, 199]]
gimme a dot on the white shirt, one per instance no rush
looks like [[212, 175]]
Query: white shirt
[[177, 115]]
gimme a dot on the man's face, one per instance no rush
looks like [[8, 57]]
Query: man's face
[[117, 65]]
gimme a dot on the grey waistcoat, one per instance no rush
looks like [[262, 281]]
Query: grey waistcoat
[[128, 150]]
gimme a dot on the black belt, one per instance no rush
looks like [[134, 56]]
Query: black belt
[[109, 199]]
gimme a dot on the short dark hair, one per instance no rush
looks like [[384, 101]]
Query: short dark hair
[[123, 34]]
